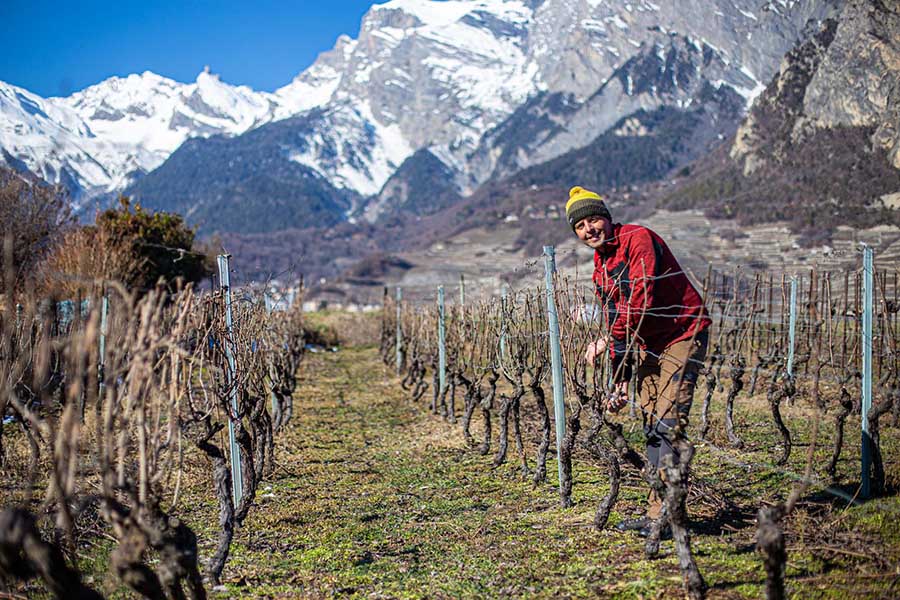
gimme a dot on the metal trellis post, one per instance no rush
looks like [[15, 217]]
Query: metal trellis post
[[270, 305], [399, 333], [104, 330], [792, 327], [442, 349], [868, 281], [502, 322], [559, 406], [237, 481], [462, 289]]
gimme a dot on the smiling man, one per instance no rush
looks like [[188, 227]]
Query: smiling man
[[653, 310]]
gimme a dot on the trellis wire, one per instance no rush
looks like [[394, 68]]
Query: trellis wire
[[774, 319]]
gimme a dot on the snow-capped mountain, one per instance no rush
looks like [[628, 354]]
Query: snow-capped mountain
[[102, 138], [420, 73], [454, 78], [148, 116], [488, 87], [644, 57], [50, 140], [571, 53]]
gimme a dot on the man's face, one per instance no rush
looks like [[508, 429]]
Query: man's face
[[594, 231]]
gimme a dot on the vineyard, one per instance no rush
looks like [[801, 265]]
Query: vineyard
[[826, 342], [104, 398], [180, 444]]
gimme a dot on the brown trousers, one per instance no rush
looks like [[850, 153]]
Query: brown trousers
[[666, 388], [659, 377]]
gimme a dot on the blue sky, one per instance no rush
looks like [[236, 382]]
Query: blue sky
[[56, 48]]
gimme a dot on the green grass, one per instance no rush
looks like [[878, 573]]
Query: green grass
[[377, 498]]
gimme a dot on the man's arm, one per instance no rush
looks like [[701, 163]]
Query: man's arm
[[637, 287], [594, 350]]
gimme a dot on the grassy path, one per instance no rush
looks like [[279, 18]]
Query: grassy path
[[373, 497]]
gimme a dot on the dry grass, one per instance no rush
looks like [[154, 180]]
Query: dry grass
[[335, 327]]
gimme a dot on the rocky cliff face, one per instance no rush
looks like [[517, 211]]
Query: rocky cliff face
[[846, 75], [674, 71], [596, 62], [858, 80], [768, 131], [819, 147], [490, 87], [423, 74], [578, 45]]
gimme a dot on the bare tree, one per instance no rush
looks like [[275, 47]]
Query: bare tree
[[33, 215]]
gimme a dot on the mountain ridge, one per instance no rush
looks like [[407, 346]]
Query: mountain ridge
[[421, 75], [397, 145]]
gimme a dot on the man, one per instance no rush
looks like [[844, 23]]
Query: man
[[652, 307]]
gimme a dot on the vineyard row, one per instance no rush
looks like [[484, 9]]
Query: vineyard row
[[813, 339], [105, 410]]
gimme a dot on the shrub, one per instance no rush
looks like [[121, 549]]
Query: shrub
[[139, 248]]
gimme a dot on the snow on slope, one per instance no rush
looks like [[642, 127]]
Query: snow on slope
[[420, 73], [353, 150], [98, 139], [145, 117], [49, 140], [159, 113], [307, 92]]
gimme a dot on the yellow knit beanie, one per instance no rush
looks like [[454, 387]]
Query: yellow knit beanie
[[584, 203]]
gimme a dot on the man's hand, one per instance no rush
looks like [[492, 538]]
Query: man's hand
[[619, 397], [594, 350]]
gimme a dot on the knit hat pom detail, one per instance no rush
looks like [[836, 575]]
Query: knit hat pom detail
[[579, 193]]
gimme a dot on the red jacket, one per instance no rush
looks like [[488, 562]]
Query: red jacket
[[645, 292]]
